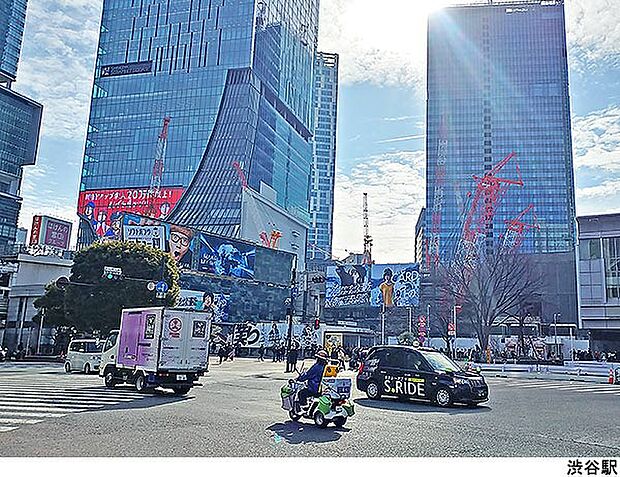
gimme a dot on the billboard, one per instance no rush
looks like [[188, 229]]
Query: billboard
[[50, 232], [395, 285], [102, 208], [216, 303], [265, 223], [347, 285], [223, 256], [180, 242]]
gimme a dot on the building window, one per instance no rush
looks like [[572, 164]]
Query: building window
[[611, 253], [589, 249]]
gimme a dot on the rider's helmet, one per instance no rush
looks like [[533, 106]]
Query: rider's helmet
[[322, 354]]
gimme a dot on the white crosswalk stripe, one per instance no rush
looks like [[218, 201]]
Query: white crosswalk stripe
[[573, 386], [31, 394]]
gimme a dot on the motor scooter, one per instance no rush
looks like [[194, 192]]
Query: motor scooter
[[332, 406]]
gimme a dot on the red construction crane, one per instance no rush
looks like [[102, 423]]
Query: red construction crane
[[515, 230], [367, 238], [158, 166], [432, 248], [489, 191]]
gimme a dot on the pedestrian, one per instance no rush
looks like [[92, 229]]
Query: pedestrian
[[222, 352], [261, 352]]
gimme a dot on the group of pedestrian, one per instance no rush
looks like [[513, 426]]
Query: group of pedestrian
[[227, 351], [587, 355]]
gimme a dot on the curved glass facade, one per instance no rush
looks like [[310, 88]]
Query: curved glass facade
[[498, 76], [176, 59]]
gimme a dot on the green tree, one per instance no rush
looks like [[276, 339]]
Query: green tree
[[407, 338], [92, 302], [52, 305]]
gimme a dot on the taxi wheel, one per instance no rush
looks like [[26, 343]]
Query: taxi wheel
[[372, 390], [67, 367], [443, 397]]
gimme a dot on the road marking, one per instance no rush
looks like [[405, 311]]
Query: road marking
[[7, 429], [60, 400], [69, 392], [31, 414], [6, 420], [5, 403], [77, 395], [42, 408]]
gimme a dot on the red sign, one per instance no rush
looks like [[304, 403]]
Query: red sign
[[101, 207], [175, 325], [35, 232]]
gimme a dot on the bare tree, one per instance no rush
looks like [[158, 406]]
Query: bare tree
[[492, 286]]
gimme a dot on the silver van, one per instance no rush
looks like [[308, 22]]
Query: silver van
[[83, 355]]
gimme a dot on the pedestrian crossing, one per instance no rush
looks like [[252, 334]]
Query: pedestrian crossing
[[33, 396], [563, 386]]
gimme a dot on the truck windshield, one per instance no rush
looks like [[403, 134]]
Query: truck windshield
[[440, 362]]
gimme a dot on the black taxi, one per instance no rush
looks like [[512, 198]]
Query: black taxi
[[421, 374]]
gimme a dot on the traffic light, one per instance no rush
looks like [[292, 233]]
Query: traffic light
[[317, 323]]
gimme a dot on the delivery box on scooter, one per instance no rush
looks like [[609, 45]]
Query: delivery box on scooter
[[340, 386]]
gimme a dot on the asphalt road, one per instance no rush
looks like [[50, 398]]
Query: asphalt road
[[44, 412]]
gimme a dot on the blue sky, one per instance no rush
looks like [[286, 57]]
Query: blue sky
[[381, 109]]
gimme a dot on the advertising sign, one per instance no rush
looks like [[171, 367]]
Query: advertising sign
[[57, 233], [35, 232], [103, 208], [395, 285], [221, 256], [180, 242], [123, 69], [153, 235], [50, 232], [347, 285], [217, 303]]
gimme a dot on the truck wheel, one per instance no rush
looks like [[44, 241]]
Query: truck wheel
[[181, 391], [109, 380], [87, 368], [372, 390], [67, 367], [140, 383]]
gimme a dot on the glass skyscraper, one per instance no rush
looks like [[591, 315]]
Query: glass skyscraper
[[323, 174], [235, 79], [12, 20], [498, 84], [20, 121]]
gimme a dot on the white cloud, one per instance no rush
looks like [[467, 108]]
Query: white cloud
[[596, 139], [57, 63], [386, 43], [395, 184], [593, 33]]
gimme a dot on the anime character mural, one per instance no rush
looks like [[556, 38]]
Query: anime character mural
[[226, 257], [180, 245], [347, 285]]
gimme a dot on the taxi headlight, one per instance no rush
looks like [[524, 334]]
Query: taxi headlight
[[461, 381]]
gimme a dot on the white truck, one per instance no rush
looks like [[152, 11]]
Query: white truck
[[157, 347]]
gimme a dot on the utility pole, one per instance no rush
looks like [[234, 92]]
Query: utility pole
[[367, 237], [383, 324], [428, 323]]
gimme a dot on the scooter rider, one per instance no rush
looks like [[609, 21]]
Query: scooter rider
[[313, 376]]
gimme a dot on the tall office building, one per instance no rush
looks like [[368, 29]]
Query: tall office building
[[20, 121], [323, 174], [235, 81], [497, 84]]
